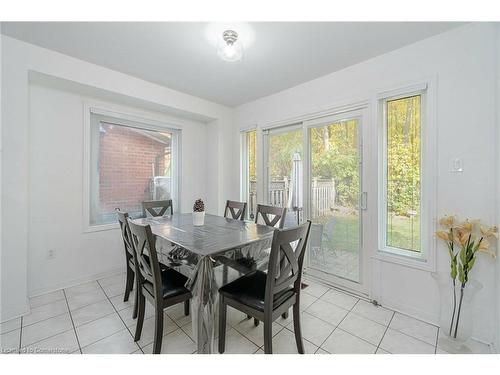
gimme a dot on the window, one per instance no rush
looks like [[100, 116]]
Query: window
[[402, 173], [249, 142], [129, 163]]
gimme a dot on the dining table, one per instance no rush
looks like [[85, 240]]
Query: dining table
[[204, 254]]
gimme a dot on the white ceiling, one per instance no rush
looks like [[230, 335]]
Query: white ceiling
[[182, 55]]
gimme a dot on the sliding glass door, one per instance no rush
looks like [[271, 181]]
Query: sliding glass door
[[336, 199], [315, 169], [284, 171]]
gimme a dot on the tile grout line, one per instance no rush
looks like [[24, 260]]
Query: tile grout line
[[410, 336], [184, 330], [176, 324], [253, 342], [51, 335], [72, 322], [48, 303], [50, 317], [69, 313], [316, 300], [79, 308], [437, 340], [20, 336], [119, 316], [386, 329], [116, 311], [412, 317], [337, 326], [387, 326]]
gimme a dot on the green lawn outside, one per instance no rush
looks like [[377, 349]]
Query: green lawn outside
[[346, 232]]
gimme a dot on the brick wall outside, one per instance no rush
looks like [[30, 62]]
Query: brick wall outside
[[125, 168]]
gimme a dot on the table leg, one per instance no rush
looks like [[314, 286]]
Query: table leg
[[204, 306]]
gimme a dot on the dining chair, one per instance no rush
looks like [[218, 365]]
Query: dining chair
[[129, 259], [236, 209], [274, 217], [162, 287], [267, 296], [271, 216], [157, 208]]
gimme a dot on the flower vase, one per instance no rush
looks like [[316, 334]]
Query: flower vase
[[456, 305], [198, 218]]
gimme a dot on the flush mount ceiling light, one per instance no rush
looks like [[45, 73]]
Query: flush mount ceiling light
[[229, 48]]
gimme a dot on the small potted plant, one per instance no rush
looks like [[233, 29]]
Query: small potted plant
[[198, 213]]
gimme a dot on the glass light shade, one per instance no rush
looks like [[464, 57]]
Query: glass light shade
[[230, 52]]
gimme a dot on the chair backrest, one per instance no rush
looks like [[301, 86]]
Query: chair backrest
[[237, 210], [147, 265], [286, 260], [265, 211], [127, 239], [157, 208]]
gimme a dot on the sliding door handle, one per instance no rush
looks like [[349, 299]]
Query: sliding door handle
[[364, 200]]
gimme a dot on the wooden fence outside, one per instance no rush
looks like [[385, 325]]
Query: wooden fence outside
[[322, 194]]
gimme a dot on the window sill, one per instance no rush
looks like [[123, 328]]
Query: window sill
[[405, 260], [100, 227]]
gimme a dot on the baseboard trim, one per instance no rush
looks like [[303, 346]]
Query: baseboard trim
[[74, 282], [410, 311]]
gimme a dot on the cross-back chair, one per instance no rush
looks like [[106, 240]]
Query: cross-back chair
[[236, 209], [162, 287], [267, 296], [276, 220], [157, 208], [129, 259]]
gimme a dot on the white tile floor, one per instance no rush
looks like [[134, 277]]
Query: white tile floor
[[92, 318]]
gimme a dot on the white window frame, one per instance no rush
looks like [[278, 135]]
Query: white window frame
[[134, 121], [244, 163], [426, 258]]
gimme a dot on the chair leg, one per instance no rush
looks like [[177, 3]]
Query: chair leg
[[158, 328], [296, 328], [140, 316], [224, 274], [136, 303], [186, 308], [268, 336], [249, 316], [129, 284], [256, 322], [222, 324]]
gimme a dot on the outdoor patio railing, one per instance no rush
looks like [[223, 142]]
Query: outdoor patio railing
[[322, 194]]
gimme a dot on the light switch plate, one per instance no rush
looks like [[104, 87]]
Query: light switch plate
[[457, 165]]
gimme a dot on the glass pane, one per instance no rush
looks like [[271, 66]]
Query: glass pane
[[128, 166], [335, 189], [285, 174], [403, 173], [251, 151]]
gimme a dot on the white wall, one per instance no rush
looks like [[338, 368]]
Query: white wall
[[56, 189], [27, 153], [463, 63]]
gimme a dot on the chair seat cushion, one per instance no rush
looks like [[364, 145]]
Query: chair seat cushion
[[250, 290], [172, 284]]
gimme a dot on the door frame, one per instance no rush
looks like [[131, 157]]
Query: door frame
[[361, 287], [369, 172]]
